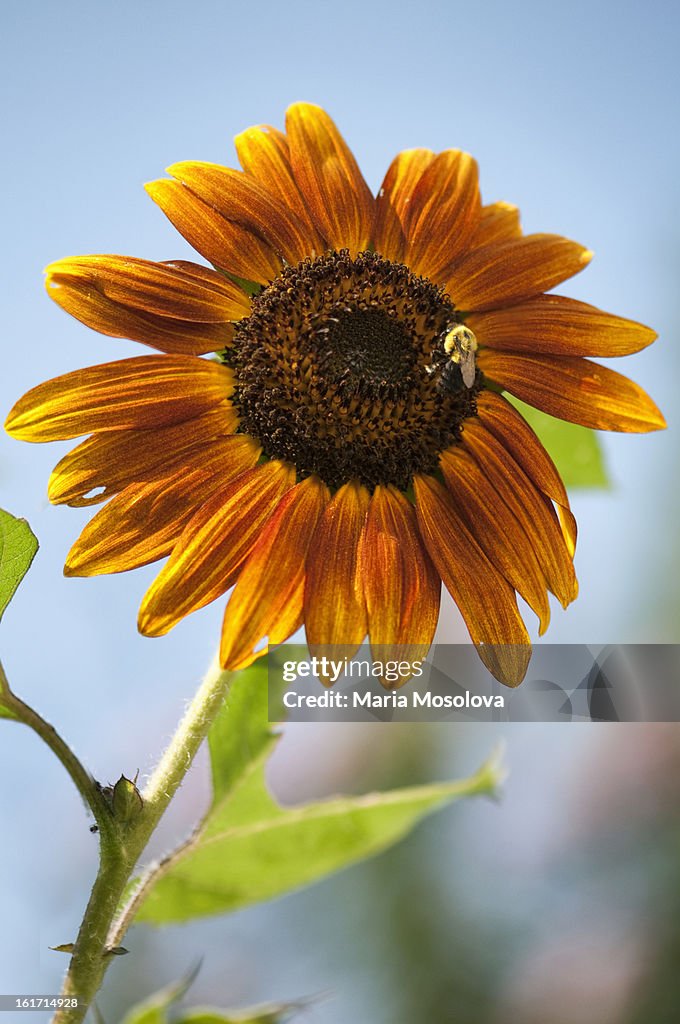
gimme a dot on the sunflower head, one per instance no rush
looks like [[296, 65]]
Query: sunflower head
[[342, 370], [346, 445]]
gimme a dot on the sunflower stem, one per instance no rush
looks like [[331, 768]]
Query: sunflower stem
[[180, 752], [101, 931]]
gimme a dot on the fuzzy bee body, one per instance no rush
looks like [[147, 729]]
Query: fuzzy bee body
[[460, 346]]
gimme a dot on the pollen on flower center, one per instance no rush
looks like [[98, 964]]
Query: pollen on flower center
[[341, 369]]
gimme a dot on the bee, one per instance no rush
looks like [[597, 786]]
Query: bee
[[460, 345]]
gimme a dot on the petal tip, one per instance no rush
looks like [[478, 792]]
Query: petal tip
[[148, 624], [181, 167], [233, 661], [16, 425], [57, 275], [658, 422], [76, 563], [301, 106]]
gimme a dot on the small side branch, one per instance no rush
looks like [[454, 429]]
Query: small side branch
[[80, 777]]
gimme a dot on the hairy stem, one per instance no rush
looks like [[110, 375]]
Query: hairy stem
[[149, 877], [93, 952]]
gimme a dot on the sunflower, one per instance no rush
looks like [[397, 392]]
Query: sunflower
[[346, 446]]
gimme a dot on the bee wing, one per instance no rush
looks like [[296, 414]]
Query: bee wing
[[467, 368]]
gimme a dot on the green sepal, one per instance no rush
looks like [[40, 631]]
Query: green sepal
[[249, 287], [126, 800]]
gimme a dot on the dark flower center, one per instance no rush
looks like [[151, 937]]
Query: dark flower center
[[342, 369], [368, 344]]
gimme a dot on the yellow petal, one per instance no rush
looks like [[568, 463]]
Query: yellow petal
[[108, 462], [240, 198], [401, 586], [223, 242], [144, 522], [167, 306], [512, 430], [443, 213], [507, 272], [485, 598], [329, 178], [560, 326], [499, 222], [213, 547], [178, 291], [335, 612], [268, 598], [498, 531], [264, 153], [146, 391], [393, 202], [531, 510], [574, 389]]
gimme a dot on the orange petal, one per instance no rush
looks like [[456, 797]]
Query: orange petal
[[483, 595], [162, 288], [509, 427], [329, 178], [443, 213], [213, 547], [145, 391], [400, 584], [180, 337], [268, 598], [574, 389], [335, 612], [393, 202], [144, 522], [507, 272], [561, 326], [163, 305], [223, 242], [108, 462], [497, 530], [533, 512], [499, 222], [239, 197], [264, 154]]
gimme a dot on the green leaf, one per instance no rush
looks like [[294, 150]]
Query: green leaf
[[249, 849], [575, 450], [18, 546], [155, 1009], [271, 1013], [241, 731]]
